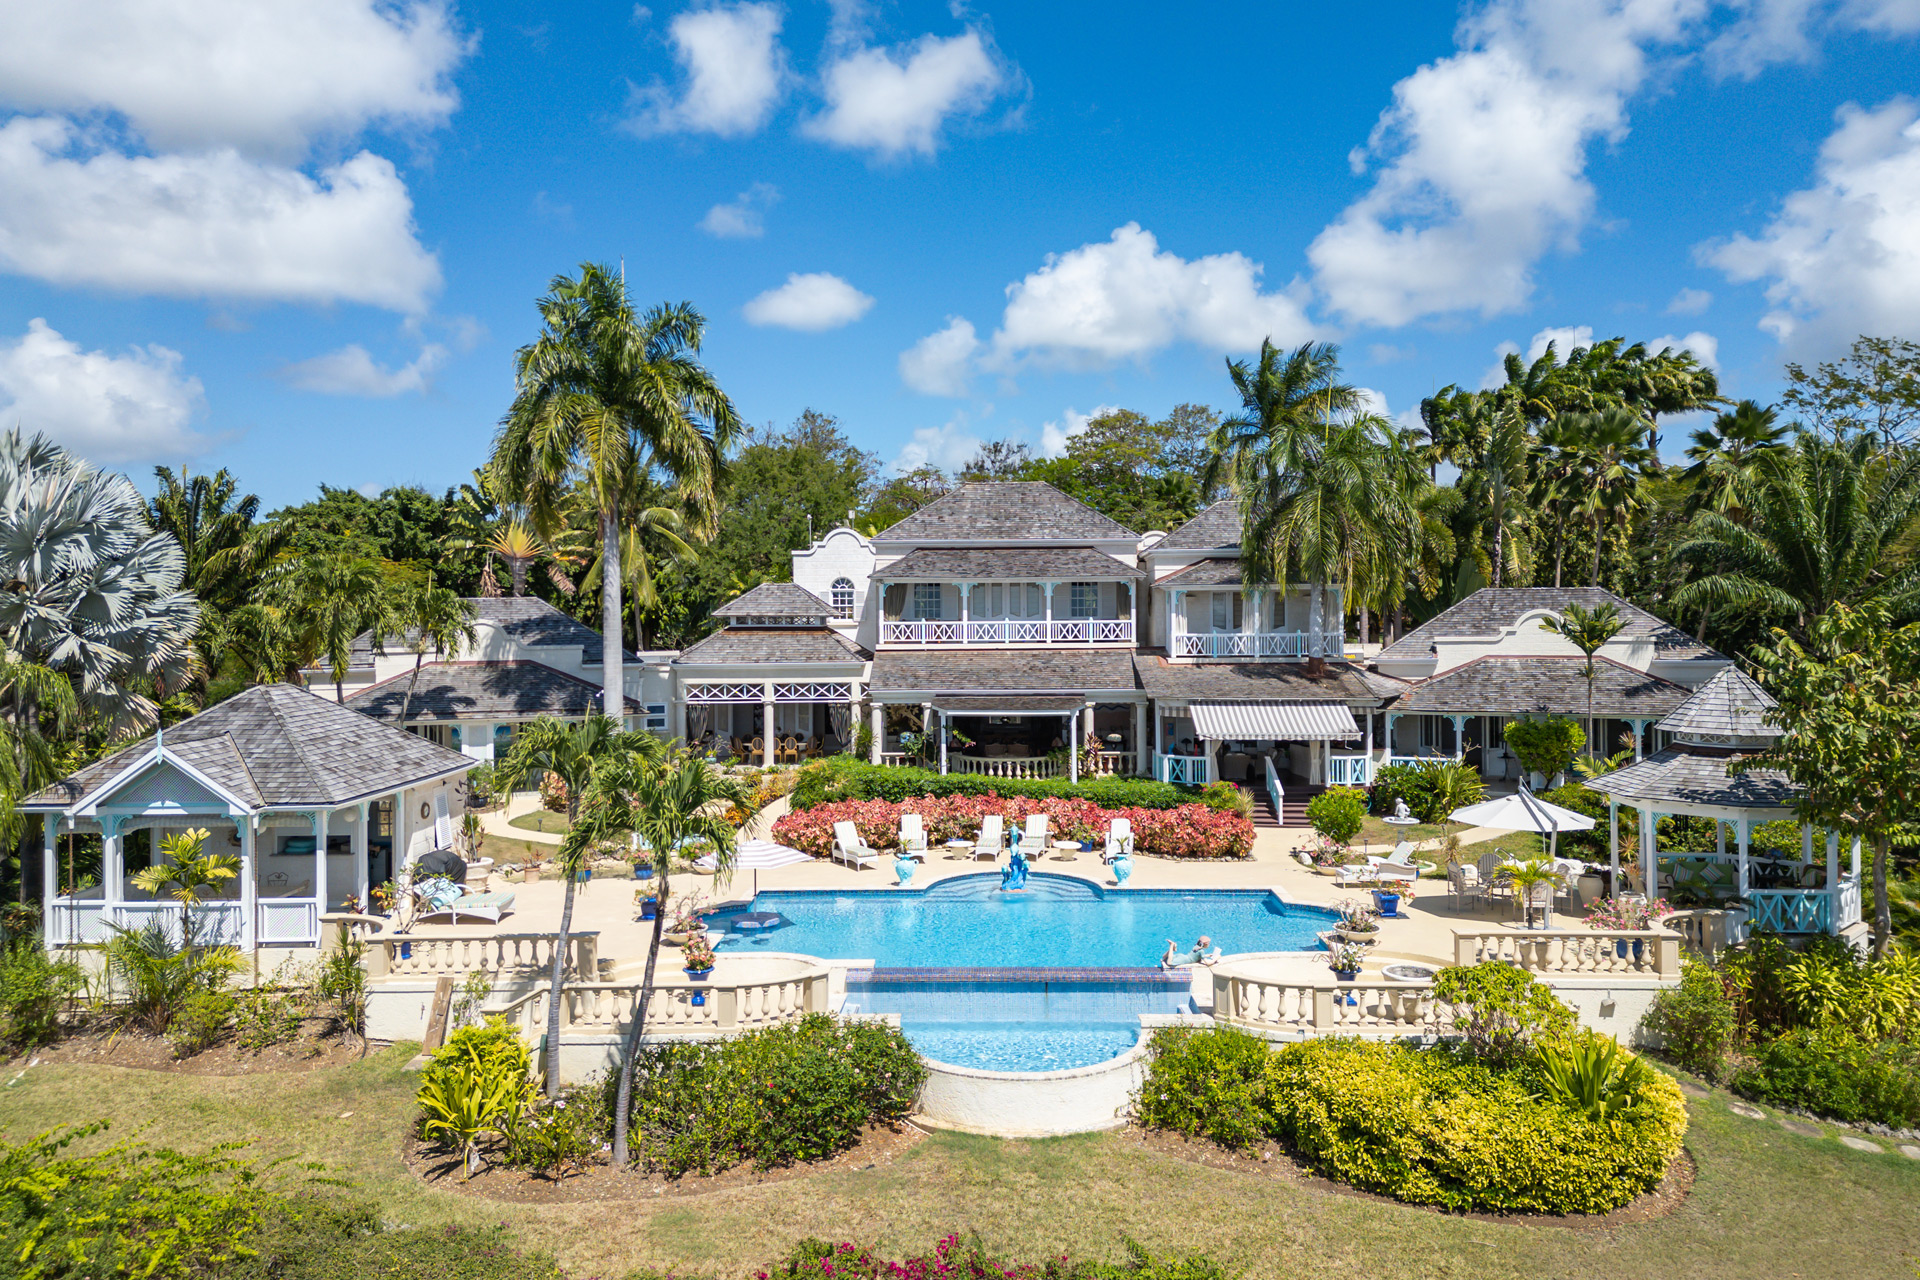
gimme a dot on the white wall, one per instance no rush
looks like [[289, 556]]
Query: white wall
[[842, 553]]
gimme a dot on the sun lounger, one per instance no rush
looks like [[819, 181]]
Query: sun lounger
[[913, 836], [1033, 840], [849, 848], [992, 836], [445, 898], [1119, 839]]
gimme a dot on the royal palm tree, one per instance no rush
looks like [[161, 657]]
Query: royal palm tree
[[1608, 460], [1826, 523], [575, 752], [614, 403], [1728, 455], [1588, 630], [667, 805], [426, 617]]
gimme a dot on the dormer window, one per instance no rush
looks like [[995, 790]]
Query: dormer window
[[841, 597]]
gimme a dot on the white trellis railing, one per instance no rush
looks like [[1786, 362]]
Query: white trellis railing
[[989, 631]]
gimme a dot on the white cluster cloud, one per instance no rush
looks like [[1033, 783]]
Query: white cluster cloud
[[950, 446], [263, 76], [210, 225], [810, 303], [1482, 158], [895, 101], [1689, 302], [735, 71], [108, 408], [1842, 256], [744, 216], [1054, 436], [1772, 31], [941, 364], [351, 371]]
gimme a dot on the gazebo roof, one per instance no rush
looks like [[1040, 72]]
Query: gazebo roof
[[1675, 781], [1728, 705]]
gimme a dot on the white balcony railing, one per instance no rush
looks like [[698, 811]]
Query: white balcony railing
[[993, 631], [1349, 771], [1009, 766], [1252, 644]]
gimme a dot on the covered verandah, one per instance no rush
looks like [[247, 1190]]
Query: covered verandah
[[1260, 742]]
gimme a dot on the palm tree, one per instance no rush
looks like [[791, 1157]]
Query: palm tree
[[1826, 523], [325, 601], [1420, 541], [1609, 458], [428, 617], [574, 752], [1588, 630], [610, 400], [1493, 447], [1727, 456], [91, 590], [667, 805], [185, 871]]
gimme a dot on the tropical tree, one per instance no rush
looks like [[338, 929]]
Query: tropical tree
[[1728, 455], [1588, 630], [1608, 460], [615, 403], [1494, 450], [685, 799], [1873, 390], [1850, 714], [185, 871], [575, 752], [91, 590], [426, 617], [327, 599], [226, 549], [1827, 523]]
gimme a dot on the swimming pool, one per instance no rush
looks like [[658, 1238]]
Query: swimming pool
[[1057, 922]]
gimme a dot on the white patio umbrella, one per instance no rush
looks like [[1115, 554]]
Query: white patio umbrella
[[1524, 811], [764, 855]]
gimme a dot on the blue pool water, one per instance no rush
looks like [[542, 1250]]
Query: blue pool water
[[1022, 1046], [967, 922]]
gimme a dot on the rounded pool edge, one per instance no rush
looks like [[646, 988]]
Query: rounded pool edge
[[1032, 1104]]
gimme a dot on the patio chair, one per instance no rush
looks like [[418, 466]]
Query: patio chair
[[1493, 875], [992, 836], [849, 848], [1033, 840], [1119, 839], [1465, 883], [438, 897], [1398, 865], [913, 836]]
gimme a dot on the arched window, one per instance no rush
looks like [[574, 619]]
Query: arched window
[[842, 597]]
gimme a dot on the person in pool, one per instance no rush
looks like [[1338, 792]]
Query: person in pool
[[1199, 955]]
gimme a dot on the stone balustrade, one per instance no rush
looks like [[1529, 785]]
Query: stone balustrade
[[606, 1008], [1575, 953], [457, 954], [1323, 1006]]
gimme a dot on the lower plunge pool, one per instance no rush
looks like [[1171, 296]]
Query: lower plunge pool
[[1048, 979]]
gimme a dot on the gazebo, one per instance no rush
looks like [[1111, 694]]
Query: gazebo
[[316, 800], [1722, 722]]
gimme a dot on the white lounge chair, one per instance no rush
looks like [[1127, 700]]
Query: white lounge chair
[[1119, 838], [444, 898], [1033, 840], [913, 836], [849, 848], [1398, 865], [992, 835]]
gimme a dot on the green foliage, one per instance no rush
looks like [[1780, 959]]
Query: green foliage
[[308, 1238], [34, 989], [342, 981], [970, 1258], [1338, 813], [476, 1083], [1432, 788], [1224, 797], [153, 976], [1836, 1074], [1206, 1084], [1695, 1021], [199, 1021], [1592, 1075], [557, 1138], [1130, 468], [801, 1091], [1501, 1010], [846, 778], [267, 1017], [1590, 845], [1546, 745]]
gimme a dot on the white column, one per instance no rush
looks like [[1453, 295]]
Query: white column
[[1159, 728], [853, 716], [1368, 777], [1133, 608], [1740, 872], [49, 866], [1720, 838], [1834, 922], [361, 876], [1391, 717], [113, 866], [1856, 864], [943, 738], [1140, 762], [766, 719], [1176, 619], [1649, 856], [1250, 621], [1460, 737], [678, 728], [249, 884], [877, 718], [1314, 628], [1046, 589], [320, 823], [1613, 844], [966, 608], [1073, 753], [1806, 845]]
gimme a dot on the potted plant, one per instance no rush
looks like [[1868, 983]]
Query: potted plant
[[649, 903], [903, 867], [1534, 882], [683, 920], [1626, 915], [698, 957], [1387, 902], [1359, 921], [1345, 961], [1327, 855]]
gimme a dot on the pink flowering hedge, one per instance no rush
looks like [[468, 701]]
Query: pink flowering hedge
[[1189, 831]]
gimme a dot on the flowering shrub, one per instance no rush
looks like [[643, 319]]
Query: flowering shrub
[[1626, 913], [971, 1261], [1190, 831], [553, 792], [1327, 852]]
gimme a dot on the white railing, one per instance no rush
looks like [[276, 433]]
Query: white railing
[[1008, 766], [1425, 756], [429, 956], [991, 631], [1325, 1005], [1109, 764], [90, 920], [1253, 644], [606, 1008], [1349, 771], [1846, 903], [1575, 952], [898, 759], [1707, 931], [288, 920], [1276, 790], [1195, 771]]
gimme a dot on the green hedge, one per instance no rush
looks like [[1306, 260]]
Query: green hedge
[[1431, 1126], [845, 778], [1835, 1074]]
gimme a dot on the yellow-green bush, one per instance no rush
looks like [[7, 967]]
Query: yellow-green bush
[[1435, 1127]]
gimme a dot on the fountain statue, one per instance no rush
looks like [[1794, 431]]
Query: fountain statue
[[1402, 816], [1013, 877]]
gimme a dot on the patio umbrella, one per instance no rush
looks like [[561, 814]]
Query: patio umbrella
[[759, 855], [1524, 811]]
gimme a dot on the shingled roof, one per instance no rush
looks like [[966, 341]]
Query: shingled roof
[[1491, 610], [1204, 573], [1675, 777], [1000, 564], [1728, 705], [1215, 527], [528, 619], [775, 600], [1250, 681], [275, 746], [773, 644], [1014, 510], [1066, 670], [1527, 686], [510, 690]]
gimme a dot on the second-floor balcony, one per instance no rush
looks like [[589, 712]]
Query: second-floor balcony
[[1253, 644], [1009, 631]]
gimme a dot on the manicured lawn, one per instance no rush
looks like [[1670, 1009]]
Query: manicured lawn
[[1379, 831], [1766, 1202], [546, 820]]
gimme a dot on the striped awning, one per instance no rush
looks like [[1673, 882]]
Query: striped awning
[[1311, 721]]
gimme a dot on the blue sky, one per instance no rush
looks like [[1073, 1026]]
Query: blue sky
[[302, 239]]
